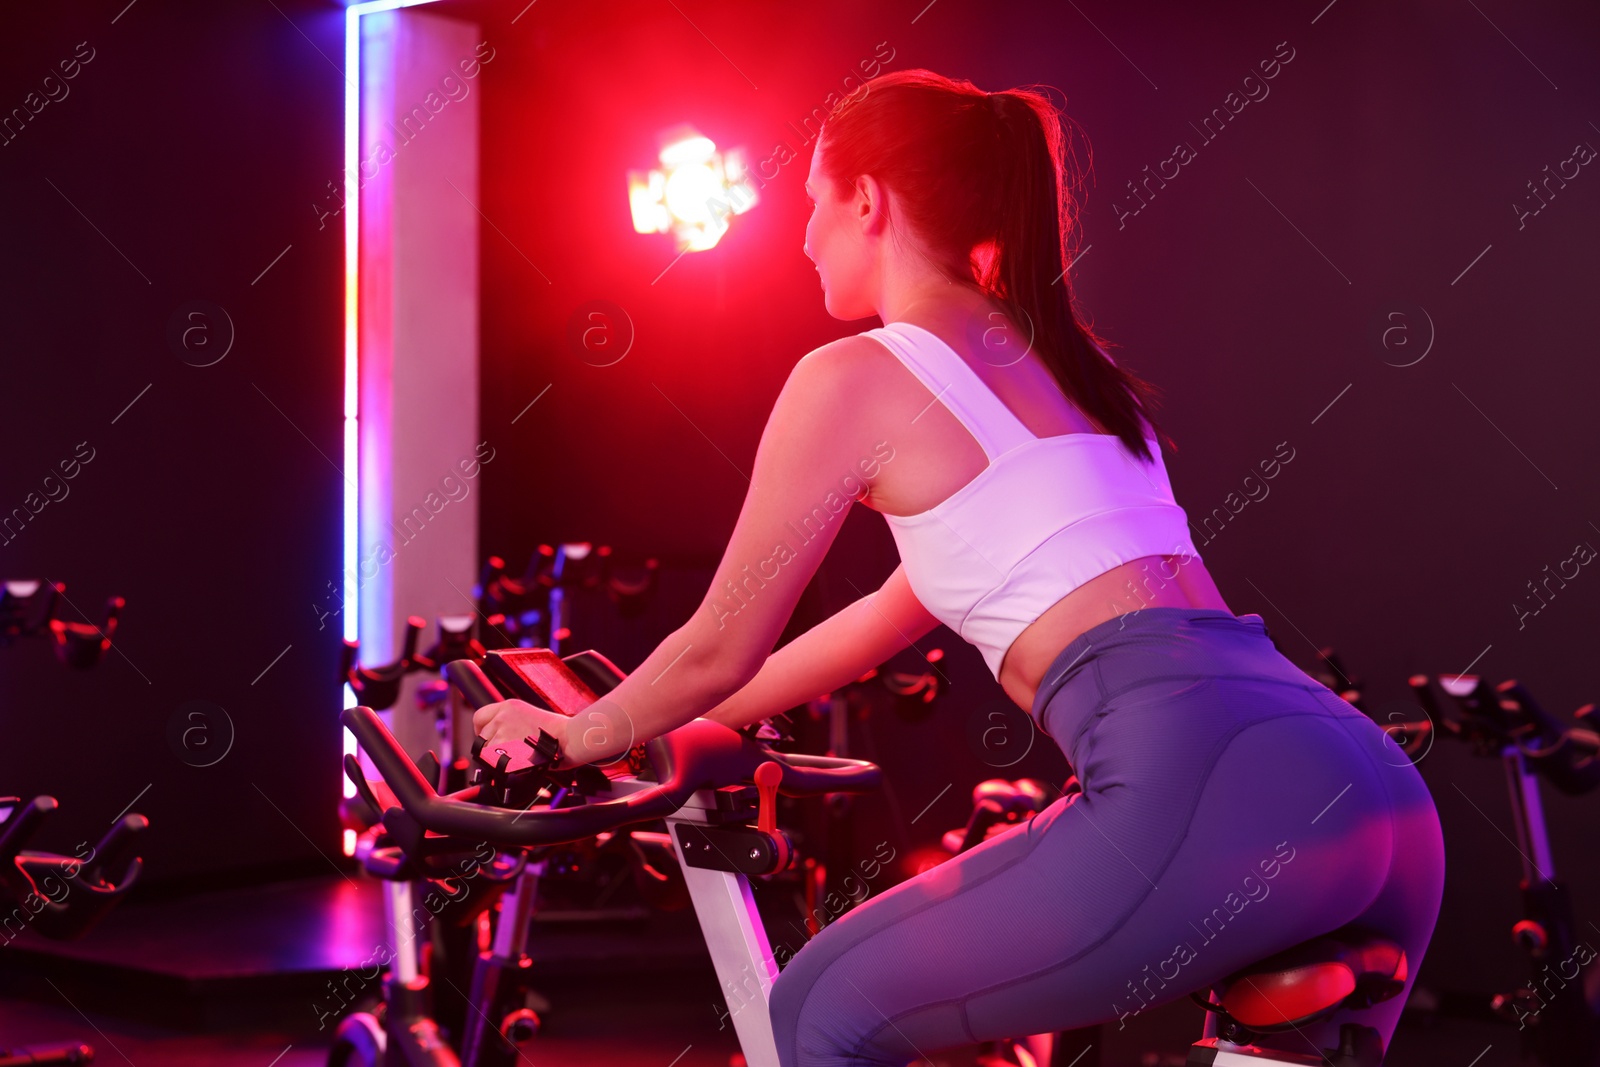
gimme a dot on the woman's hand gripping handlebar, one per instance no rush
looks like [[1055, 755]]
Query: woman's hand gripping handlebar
[[701, 754]]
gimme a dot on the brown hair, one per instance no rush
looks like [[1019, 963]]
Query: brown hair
[[983, 181]]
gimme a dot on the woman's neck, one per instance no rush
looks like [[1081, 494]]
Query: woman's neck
[[939, 295], [936, 301]]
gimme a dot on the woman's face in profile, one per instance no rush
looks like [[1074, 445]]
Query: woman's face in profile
[[835, 246]]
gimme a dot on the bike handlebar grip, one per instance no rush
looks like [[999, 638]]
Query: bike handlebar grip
[[405, 781], [468, 677], [114, 862], [415, 624], [23, 824], [363, 788]]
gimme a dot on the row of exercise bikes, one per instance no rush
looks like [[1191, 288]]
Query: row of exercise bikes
[[693, 815], [690, 819], [58, 896]]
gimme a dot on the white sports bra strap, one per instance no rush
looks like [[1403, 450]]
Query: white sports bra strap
[[942, 370]]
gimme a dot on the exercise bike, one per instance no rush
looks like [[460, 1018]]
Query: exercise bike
[[532, 610], [28, 609], [60, 897], [708, 781], [437, 959], [1559, 1028]]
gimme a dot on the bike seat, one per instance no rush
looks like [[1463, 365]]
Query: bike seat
[[1344, 969]]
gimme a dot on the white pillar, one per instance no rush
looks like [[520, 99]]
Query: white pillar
[[418, 332]]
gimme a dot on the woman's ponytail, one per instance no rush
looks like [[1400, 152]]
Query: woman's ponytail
[[1032, 221], [982, 179]]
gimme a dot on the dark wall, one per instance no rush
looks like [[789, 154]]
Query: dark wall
[[1358, 213], [182, 159]]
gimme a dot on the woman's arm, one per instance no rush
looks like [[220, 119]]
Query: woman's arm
[[831, 654], [818, 452]]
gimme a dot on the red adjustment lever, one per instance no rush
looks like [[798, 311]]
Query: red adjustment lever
[[768, 775]]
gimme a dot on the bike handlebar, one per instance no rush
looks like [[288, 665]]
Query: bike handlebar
[[1497, 718], [475, 686], [701, 754]]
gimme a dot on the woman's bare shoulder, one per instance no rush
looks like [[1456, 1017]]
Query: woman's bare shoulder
[[853, 348], [855, 363]]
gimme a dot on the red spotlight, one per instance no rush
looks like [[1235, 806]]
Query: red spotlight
[[692, 193]]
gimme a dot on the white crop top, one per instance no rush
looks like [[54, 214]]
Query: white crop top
[[1045, 516]]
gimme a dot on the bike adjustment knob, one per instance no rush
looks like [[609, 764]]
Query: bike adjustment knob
[[768, 775]]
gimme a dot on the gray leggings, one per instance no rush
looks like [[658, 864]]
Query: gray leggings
[[1231, 807]]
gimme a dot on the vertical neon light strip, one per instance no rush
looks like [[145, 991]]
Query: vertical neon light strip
[[351, 543]]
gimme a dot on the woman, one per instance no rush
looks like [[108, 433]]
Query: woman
[[1230, 806]]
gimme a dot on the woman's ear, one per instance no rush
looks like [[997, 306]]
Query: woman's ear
[[871, 205]]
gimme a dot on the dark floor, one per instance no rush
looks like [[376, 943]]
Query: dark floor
[[621, 1036], [241, 978]]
